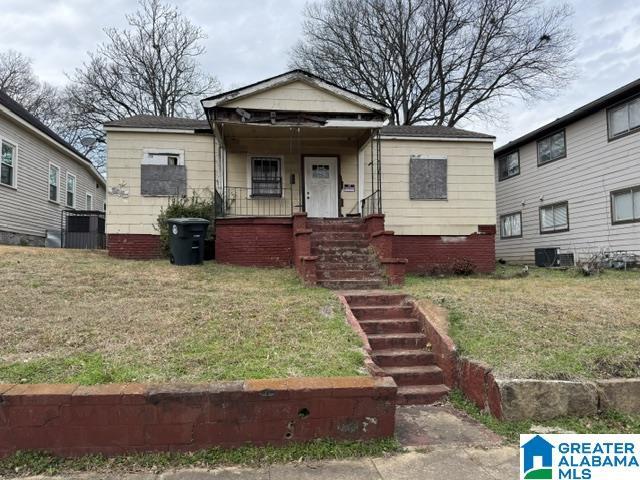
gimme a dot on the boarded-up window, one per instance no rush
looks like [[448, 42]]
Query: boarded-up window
[[427, 178], [163, 174]]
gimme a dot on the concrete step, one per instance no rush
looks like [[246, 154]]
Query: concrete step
[[342, 257], [348, 274], [337, 227], [403, 358], [416, 375], [365, 266], [421, 394], [371, 299], [386, 341], [345, 244], [378, 312], [326, 236], [391, 325], [351, 284]]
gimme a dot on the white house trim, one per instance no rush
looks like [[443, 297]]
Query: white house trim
[[436, 139], [150, 130]]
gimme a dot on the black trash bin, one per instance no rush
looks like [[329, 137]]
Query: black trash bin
[[186, 240]]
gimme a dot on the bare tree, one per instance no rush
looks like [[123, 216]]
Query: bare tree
[[19, 81], [151, 68], [438, 61]]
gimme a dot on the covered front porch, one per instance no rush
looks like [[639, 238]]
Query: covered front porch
[[278, 170]]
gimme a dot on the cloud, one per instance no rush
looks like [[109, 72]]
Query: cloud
[[250, 39]]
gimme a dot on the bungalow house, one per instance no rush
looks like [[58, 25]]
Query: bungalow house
[[571, 188], [306, 173], [41, 176]]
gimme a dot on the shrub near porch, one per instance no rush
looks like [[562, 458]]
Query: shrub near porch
[[549, 324], [77, 316]]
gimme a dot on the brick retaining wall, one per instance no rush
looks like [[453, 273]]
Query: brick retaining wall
[[255, 242], [72, 420], [134, 246], [430, 253]]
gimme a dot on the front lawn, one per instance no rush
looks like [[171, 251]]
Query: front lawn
[[82, 317], [549, 324]]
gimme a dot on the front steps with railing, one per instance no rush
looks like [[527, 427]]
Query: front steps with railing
[[345, 253]]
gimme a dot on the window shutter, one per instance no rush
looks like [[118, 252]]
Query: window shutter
[[427, 178]]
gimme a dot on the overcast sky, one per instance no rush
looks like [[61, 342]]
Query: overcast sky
[[250, 39]]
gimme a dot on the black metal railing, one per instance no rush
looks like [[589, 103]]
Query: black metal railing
[[372, 204], [246, 202]]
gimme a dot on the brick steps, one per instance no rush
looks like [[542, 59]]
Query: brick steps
[[345, 261], [398, 346], [421, 394], [416, 375], [379, 312], [382, 341], [352, 284], [390, 325], [402, 358]]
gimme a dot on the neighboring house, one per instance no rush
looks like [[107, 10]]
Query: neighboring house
[[573, 185], [297, 143], [40, 176]]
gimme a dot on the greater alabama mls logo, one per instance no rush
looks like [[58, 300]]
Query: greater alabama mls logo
[[579, 457], [536, 459]]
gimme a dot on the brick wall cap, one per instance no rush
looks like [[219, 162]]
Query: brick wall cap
[[374, 215], [380, 233], [303, 231], [319, 383], [171, 391], [309, 258], [394, 260], [5, 387], [48, 389], [255, 221], [300, 214]]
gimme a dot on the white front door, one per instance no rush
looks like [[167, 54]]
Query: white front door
[[321, 186]]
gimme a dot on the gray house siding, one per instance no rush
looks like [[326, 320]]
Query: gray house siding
[[25, 211], [585, 178]]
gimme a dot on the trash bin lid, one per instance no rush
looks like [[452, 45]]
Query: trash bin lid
[[188, 221]]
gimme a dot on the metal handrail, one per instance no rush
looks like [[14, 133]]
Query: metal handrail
[[245, 202], [371, 205]]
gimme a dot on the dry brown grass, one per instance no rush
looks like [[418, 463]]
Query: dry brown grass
[[82, 316], [551, 324]]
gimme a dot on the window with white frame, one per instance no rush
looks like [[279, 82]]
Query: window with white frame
[[554, 218], [511, 225], [54, 183], [509, 165], [625, 205], [624, 118], [163, 158], [266, 176], [8, 164], [89, 202], [552, 148], [71, 190]]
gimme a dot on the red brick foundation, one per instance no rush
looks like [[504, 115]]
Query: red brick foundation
[[255, 242], [134, 246], [435, 253], [71, 420]]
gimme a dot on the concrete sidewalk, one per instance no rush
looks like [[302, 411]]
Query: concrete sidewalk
[[443, 443]]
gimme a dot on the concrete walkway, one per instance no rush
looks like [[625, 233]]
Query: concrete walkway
[[443, 443]]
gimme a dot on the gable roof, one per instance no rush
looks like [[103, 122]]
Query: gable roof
[[289, 77], [590, 108], [21, 112], [431, 131], [152, 121]]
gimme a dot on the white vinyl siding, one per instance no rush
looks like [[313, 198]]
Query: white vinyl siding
[[594, 167], [27, 210]]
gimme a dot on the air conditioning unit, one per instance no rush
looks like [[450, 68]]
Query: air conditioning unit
[[547, 257], [566, 260]]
